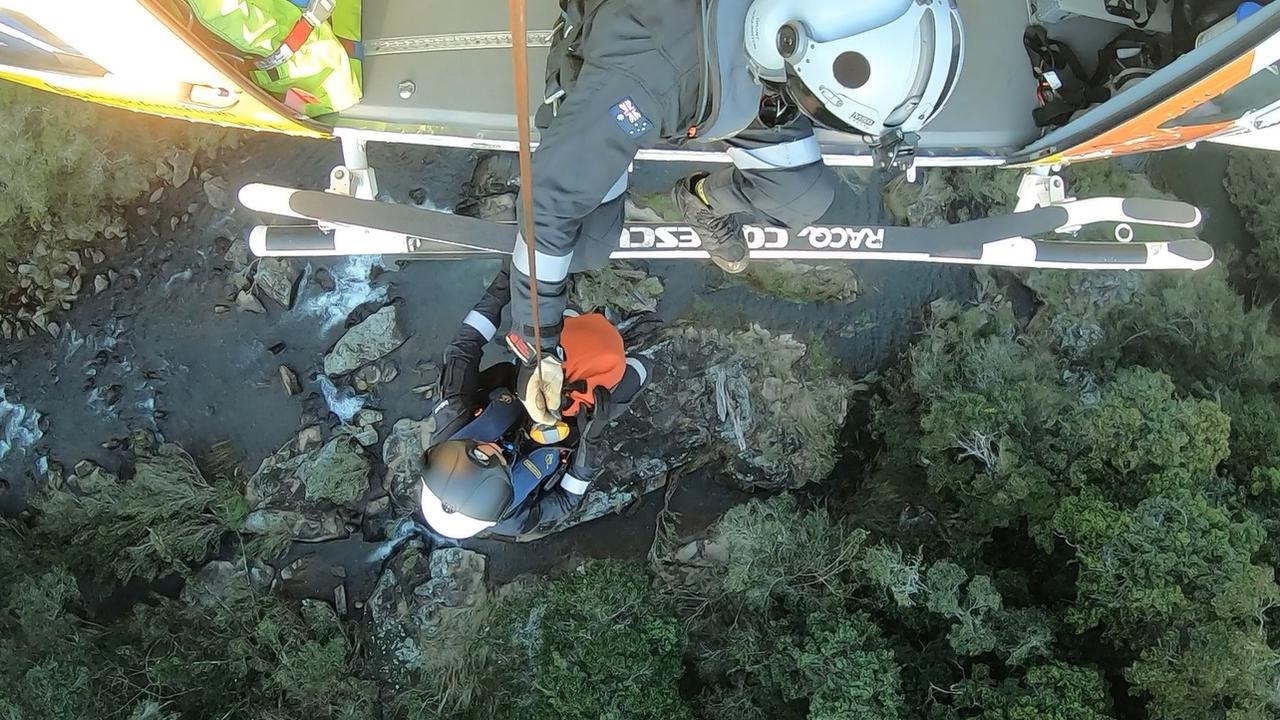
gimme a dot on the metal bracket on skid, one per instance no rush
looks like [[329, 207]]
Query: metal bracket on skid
[[354, 177], [1040, 188]]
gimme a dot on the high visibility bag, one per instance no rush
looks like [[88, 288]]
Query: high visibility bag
[[307, 52], [594, 357]]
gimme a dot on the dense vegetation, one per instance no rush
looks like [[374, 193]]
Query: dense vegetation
[[1073, 512]]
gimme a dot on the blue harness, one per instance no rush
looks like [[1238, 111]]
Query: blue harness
[[528, 469]]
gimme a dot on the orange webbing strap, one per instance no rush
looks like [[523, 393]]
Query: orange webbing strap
[[520, 68]]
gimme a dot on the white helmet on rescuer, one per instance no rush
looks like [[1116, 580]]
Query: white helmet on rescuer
[[871, 67]]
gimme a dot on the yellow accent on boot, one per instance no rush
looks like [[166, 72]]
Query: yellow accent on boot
[[700, 191]]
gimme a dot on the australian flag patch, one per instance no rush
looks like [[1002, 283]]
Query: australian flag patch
[[630, 119]]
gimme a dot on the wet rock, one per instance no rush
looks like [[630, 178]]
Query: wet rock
[[223, 581], [497, 208], [309, 438], [220, 308], [371, 376], [335, 474], [429, 370], [278, 278], [310, 494], [340, 600], [277, 348], [155, 196], [215, 190], [247, 302], [377, 512], [100, 283], [238, 254], [426, 607], [297, 568], [368, 417], [314, 527], [376, 336], [239, 280], [180, 164], [367, 436], [289, 379], [402, 454], [324, 279], [173, 223]]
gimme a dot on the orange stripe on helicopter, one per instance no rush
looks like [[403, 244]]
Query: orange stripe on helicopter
[[1144, 132]]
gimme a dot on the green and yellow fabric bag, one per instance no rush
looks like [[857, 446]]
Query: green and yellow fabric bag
[[305, 51]]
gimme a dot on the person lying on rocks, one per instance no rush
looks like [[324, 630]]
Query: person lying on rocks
[[499, 468]]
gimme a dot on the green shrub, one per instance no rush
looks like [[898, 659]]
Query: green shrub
[[773, 550], [838, 665], [1195, 328], [594, 643], [1054, 691], [1110, 449], [251, 655], [801, 282], [625, 288], [165, 518], [1253, 183]]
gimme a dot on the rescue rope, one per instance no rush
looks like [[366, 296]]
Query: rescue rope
[[520, 69]]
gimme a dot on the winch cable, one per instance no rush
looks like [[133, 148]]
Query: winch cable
[[520, 71]]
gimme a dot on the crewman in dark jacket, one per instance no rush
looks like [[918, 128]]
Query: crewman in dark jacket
[[751, 76], [490, 468]]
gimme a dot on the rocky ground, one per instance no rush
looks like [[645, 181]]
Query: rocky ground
[[312, 379]]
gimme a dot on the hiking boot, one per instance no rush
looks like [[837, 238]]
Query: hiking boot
[[721, 234]]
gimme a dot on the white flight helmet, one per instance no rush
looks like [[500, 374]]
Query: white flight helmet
[[872, 67]]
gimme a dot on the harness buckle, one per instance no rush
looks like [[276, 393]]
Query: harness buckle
[[318, 11]]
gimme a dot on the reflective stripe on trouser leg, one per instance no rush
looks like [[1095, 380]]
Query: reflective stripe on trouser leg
[[640, 370], [793, 153], [551, 268], [573, 485]]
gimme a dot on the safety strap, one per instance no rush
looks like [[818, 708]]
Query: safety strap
[[520, 69], [314, 14]]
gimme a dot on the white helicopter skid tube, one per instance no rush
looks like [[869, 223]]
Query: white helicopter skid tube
[[345, 225]]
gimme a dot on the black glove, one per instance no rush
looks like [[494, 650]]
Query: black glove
[[591, 446]]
